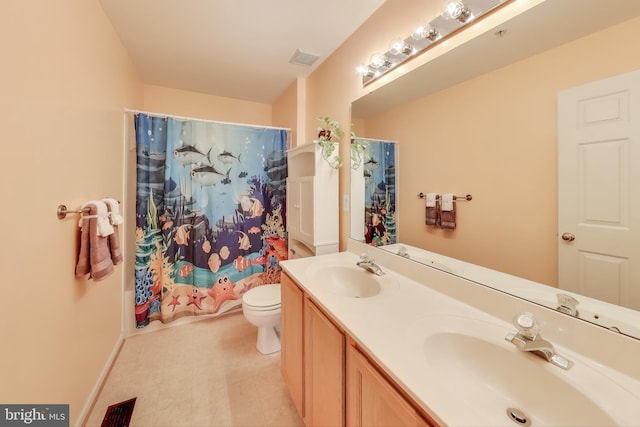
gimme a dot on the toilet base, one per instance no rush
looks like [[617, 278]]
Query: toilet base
[[268, 340]]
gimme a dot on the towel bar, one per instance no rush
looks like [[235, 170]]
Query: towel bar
[[468, 197], [62, 211]]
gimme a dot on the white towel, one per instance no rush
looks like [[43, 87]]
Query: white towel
[[447, 202], [447, 212], [431, 199], [102, 215], [114, 239], [432, 212], [114, 211]]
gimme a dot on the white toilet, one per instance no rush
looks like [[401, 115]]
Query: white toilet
[[261, 307]]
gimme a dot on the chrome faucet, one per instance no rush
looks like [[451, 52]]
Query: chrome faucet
[[568, 305], [369, 264], [528, 339]]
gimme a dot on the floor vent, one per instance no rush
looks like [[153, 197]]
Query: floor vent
[[119, 415]]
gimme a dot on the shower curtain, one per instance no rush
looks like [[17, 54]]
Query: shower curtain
[[380, 191], [210, 215]]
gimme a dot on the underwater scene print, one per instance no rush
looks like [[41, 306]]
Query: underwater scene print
[[210, 215], [380, 192]]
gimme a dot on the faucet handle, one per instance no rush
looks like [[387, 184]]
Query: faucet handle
[[403, 252], [527, 325], [567, 304], [364, 256]]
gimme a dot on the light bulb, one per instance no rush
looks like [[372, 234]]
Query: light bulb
[[399, 46], [456, 10], [378, 60], [424, 31], [364, 70]]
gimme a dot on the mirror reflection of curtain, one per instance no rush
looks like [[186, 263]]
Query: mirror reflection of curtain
[[210, 215], [379, 176]]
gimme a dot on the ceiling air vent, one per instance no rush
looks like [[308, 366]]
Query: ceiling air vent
[[302, 58]]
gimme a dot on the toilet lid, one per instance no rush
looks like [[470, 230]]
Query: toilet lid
[[263, 296]]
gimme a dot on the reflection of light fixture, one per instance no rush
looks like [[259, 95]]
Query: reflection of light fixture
[[424, 31], [426, 36], [400, 47], [456, 10], [379, 60], [365, 71]]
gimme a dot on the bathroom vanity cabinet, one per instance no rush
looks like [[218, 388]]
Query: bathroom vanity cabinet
[[291, 333], [312, 200], [331, 380], [312, 358], [373, 400], [323, 368]]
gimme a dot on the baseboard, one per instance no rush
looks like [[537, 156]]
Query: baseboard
[[97, 388]]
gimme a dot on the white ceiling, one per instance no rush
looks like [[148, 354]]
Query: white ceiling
[[232, 48]]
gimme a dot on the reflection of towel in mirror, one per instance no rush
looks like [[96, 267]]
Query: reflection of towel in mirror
[[432, 210], [448, 212], [94, 257], [114, 238]]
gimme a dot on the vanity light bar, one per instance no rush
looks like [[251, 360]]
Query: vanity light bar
[[457, 14]]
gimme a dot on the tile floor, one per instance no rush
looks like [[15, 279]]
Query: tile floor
[[205, 373]]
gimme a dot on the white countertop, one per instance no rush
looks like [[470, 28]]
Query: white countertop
[[393, 325]]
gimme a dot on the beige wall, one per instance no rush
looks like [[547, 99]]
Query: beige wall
[[65, 84], [201, 106], [65, 81], [285, 112], [335, 84], [495, 138]]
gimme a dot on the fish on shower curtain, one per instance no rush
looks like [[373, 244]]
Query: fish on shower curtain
[[210, 215], [380, 192]]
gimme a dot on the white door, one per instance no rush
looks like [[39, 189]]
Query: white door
[[599, 190], [301, 213], [293, 208], [308, 214]]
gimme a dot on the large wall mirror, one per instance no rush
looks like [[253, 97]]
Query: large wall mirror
[[482, 119]]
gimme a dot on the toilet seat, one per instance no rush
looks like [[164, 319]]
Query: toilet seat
[[262, 298]]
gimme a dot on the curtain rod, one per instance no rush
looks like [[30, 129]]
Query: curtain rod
[[376, 140], [203, 120]]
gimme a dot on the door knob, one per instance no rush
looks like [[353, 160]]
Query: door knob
[[568, 237]]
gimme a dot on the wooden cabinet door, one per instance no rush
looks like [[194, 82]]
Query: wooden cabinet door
[[291, 337], [324, 369], [371, 400]]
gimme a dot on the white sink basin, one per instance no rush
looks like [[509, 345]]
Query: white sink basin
[[351, 281], [502, 383]]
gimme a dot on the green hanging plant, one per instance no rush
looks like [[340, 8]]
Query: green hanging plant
[[358, 148], [328, 137]]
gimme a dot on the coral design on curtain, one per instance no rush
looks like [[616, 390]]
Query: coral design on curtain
[[380, 192], [210, 215]]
